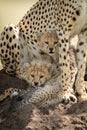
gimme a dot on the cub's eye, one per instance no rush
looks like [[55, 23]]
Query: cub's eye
[[55, 43], [41, 76], [32, 75], [47, 43]]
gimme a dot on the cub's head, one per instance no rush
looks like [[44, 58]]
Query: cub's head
[[48, 42], [35, 74]]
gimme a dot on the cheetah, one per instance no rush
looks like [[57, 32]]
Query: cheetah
[[36, 73], [48, 40], [65, 17]]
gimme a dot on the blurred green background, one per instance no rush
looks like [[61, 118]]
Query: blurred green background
[[11, 11]]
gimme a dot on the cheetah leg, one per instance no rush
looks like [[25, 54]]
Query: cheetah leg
[[64, 61], [81, 85], [9, 48], [9, 93]]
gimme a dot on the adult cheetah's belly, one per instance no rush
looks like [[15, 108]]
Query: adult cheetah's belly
[[81, 19]]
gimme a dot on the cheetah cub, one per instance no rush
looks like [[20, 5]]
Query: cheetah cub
[[36, 73], [48, 43]]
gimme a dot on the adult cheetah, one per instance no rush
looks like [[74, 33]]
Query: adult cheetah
[[68, 18]]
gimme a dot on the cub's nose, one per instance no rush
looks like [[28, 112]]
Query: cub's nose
[[35, 83], [51, 49]]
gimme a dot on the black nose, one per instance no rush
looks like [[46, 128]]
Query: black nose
[[36, 83], [51, 49]]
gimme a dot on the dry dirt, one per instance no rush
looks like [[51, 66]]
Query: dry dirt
[[29, 117]]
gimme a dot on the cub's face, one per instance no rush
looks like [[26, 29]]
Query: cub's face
[[48, 42], [36, 75]]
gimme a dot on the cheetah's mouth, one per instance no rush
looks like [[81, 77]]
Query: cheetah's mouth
[[51, 52]]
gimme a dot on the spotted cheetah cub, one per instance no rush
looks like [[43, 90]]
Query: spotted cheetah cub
[[48, 42], [36, 73]]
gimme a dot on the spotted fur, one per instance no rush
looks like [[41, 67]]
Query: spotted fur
[[9, 93]]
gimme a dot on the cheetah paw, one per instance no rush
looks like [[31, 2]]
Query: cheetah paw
[[69, 98]]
